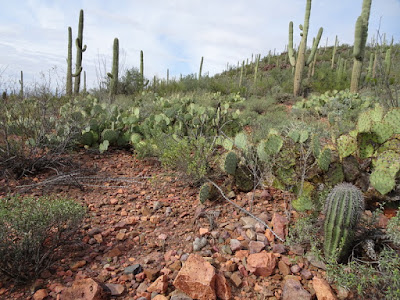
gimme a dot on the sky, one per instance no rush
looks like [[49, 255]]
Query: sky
[[173, 34]]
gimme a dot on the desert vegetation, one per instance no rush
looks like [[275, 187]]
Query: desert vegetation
[[320, 124]]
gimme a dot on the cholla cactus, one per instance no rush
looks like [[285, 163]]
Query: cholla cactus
[[343, 208]]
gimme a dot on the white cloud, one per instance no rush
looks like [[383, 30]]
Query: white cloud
[[173, 34]]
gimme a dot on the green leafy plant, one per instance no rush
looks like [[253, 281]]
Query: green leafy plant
[[31, 232]]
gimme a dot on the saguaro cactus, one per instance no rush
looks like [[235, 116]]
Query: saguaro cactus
[[142, 84], [84, 82], [69, 64], [343, 208], [360, 39], [334, 52], [114, 73], [300, 62], [241, 74], [257, 57], [21, 82], [79, 51], [201, 67]]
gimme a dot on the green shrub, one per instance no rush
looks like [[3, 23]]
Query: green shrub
[[31, 230], [369, 282]]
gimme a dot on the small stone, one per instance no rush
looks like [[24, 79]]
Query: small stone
[[248, 222], [115, 289], [297, 249], [120, 236], [142, 287], [77, 265], [160, 285], [155, 219], [199, 243], [315, 261], [176, 265], [306, 274], [251, 234], [197, 278], [159, 297], [283, 268], [203, 231], [295, 269], [323, 289], [157, 205], [179, 295], [151, 274], [261, 264], [98, 238], [235, 245], [94, 231], [293, 290], [279, 223], [168, 211], [85, 289], [114, 252], [135, 269], [236, 279], [231, 195], [113, 201], [278, 248], [222, 289], [40, 294], [256, 247]]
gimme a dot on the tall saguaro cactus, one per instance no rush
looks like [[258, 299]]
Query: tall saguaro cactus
[[201, 67], [142, 83], [79, 51], [69, 64], [114, 73], [360, 39], [300, 62], [21, 82], [334, 52]]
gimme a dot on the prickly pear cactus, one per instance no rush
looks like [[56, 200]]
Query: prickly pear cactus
[[231, 163], [324, 159], [347, 145], [110, 135], [386, 167], [207, 192], [244, 179], [343, 208]]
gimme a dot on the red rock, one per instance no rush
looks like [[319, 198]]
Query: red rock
[[160, 297], [116, 289], [160, 285], [279, 223], [197, 278], [236, 279], [256, 247], [203, 231], [261, 264], [77, 265], [293, 290], [113, 201], [283, 268], [40, 294], [85, 289], [222, 289], [323, 289], [114, 252]]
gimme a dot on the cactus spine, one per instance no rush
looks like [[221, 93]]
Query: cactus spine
[[301, 62], [79, 51], [201, 67], [21, 82], [334, 52], [360, 39], [343, 208], [114, 74]]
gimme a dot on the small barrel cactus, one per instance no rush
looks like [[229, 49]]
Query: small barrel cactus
[[343, 208]]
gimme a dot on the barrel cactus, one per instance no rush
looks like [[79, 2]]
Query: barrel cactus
[[343, 208]]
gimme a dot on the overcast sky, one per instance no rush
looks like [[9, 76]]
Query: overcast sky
[[173, 34]]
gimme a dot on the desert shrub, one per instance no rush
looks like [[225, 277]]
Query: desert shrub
[[190, 156], [393, 229], [304, 231], [32, 230], [369, 281]]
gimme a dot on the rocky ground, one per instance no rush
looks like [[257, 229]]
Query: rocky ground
[[149, 238]]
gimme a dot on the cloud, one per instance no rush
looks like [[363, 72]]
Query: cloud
[[173, 34]]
